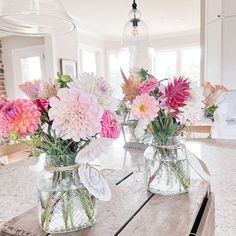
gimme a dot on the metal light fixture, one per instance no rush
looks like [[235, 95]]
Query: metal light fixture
[[136, 40], [34, 17]]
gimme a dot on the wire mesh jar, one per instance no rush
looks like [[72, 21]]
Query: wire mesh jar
[[64, 204], [167, 170]]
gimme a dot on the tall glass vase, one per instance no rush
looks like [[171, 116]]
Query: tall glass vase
[[167, 170], [64, 204]]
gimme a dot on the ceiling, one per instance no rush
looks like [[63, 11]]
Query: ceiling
[[106, 18]]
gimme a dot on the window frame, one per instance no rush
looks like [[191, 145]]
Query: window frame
[[178, 51], [99, 57]]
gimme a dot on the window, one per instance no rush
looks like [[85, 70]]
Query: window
[[191, 63], [166, 64], [89, 63], [184, 62], [31, 68], [28, 65], [115, 62]]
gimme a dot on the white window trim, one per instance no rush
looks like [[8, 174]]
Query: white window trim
[[178, 51], [108, 69], [99, 53], [15, 57]]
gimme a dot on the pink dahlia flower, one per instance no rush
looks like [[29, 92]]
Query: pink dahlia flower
[[31, 89], [176, 94], [75, 114], [110, 127], [42, 104], [145, 107], [20, 116], [148, 86]]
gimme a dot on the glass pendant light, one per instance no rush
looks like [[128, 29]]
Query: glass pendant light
[[34, 17], [136, 41]]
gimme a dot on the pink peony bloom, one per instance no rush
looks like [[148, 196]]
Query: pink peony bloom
[[31, 89], [110, 127], [3, 101], [20, 116], [148, 86], [176, 94], [75, 114], [145, 107]]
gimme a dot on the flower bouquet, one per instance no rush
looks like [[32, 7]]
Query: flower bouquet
[[69, 123], [131, 88], [213, 96], [162, 110]]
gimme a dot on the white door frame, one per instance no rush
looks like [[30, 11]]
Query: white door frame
[[21, 53]]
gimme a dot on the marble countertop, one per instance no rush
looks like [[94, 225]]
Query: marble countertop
[[18, 191], [18, 182], [220, 157]]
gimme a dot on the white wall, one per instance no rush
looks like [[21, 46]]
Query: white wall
[[91, 42], [66, 47], [169, 41], [8, 45]]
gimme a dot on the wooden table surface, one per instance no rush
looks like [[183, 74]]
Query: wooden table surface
[[132, 211]]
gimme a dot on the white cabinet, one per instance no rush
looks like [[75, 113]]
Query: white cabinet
[[213, 10], [220, 43], [229, 53], [229, 7], [213, 52]]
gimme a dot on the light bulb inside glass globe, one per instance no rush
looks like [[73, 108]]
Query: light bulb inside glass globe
[[135, 32], [136, 41]]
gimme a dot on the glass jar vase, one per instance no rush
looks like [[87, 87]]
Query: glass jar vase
[[167, 170], [64, 204]]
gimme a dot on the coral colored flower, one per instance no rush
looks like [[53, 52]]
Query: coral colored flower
[[20, 116], [110, 127], [31, 89], [176, 94], [75, 114], [3, 101], [130, 89], [145, 107], [148, 86]]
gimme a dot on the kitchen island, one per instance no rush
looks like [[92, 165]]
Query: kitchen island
[[219, 155]]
